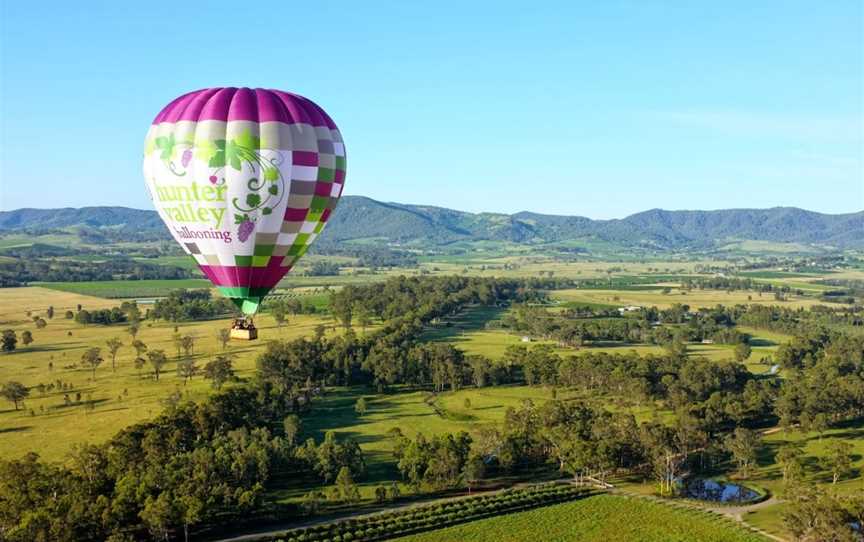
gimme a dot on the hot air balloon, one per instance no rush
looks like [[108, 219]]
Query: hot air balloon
[[245, 179]]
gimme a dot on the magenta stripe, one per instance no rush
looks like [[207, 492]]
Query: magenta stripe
[[295, 215], [304, 158], [250, 277], [256, 105]]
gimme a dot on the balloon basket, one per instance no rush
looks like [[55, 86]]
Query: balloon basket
[[244, 330]]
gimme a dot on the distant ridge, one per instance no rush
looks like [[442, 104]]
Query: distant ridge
[[360, 217]]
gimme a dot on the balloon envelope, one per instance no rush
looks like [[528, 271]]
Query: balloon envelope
[[245, 179]]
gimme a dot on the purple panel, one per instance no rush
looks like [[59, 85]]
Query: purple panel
[[304, 158], [295, 215], [256, 105]]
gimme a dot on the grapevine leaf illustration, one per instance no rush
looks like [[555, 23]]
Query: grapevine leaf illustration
[[218, 159], [273, 189], [252, 200], [205, 150], [247, 141], [271, 174], [266, 211], [234, 154], [166, 145]]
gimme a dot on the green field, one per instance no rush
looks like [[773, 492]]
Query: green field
[[610, 518], [120, 289]]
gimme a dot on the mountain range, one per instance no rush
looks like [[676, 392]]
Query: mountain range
[[361, 218]]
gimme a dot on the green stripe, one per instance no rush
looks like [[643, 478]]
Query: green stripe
[[242, 291]]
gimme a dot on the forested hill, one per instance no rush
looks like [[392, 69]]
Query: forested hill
[[364, 218]]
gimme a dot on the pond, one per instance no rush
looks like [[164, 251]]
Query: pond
[[715, 491]]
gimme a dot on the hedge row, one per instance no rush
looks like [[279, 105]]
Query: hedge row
[[430, 517]]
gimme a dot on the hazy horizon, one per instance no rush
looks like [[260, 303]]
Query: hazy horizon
[[414, 204]]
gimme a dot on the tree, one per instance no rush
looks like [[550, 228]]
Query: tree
[[814, 515], [69, 315], [191, 510], [114, 345], [50, 312], [279, 311], [393, 492], [467, 403], [92, 359], [177, 339], [345, 489], [139, 363], [219, 371], [133, 329], [790, 457], [473, 471], [838, 460], [224, 337], [15, 392], [360, 406], [9, 340], [743, 445], [361, 314], [380, 494], [26, 338], [312, 502], [186, 368], [742, 352], [158, 359], [187, 343], [139, 347], [291, 424], [481, 368], [41, 323], [159, 514]]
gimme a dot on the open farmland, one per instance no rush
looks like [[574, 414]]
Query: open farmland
[[49, 426]]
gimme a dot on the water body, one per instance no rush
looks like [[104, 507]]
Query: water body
[[714, 491]]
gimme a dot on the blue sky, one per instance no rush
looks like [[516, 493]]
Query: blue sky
[[599, 109]]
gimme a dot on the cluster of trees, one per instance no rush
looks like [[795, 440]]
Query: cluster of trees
[[391, 354], [24, 270], [369, 256], [800, 320], [114, 315], [824, 381], [814, 513], [185, 304], [733, 283], [575, 326], [586, 442], [437, 463], [209, 462], [280, 307], [323, 269]]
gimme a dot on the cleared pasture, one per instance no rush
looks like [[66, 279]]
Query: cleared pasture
[[47, 425]]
